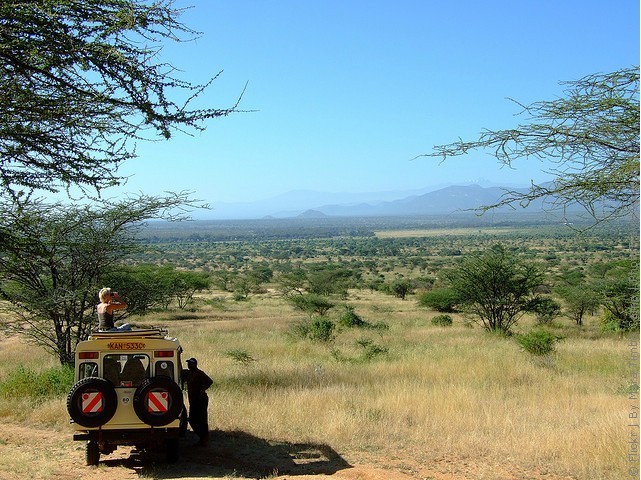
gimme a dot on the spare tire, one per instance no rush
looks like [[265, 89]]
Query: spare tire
[[92, 402], [158, 401]]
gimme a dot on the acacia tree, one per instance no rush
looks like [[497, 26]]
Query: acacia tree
[[146, 287], [53, 259], [496, 288], [591, 137], [80, 82], [619, 291], [580, 300]]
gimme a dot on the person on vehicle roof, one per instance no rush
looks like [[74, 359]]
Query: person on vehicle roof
[[197, 384], [110, 302]]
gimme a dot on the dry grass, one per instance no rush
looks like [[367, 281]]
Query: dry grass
[[437, 390]]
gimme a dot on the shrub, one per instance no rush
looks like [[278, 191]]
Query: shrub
[[311, 303], [370, 349], [609, 323], [240, 356], [441, 299], [350, 318], [401, 288], [300, 329], [27, 383], [442, 320], [545, 309], [320, 329], [538, 342]]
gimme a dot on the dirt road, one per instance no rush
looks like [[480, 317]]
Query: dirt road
[[39, 454]]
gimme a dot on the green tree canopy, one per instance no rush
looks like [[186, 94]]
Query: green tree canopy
[[311, 303], [145, 287], [53, 259], [497, 287], [590, 136], [80, 82]]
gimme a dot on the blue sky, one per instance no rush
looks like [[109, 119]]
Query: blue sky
[[346, 93]]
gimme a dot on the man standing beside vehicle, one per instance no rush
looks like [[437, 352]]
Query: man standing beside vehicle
[[197, 384]]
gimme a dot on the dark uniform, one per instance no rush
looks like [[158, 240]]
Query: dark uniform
[[197, 384]]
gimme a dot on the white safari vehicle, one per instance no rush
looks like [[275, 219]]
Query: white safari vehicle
[[128, 391]]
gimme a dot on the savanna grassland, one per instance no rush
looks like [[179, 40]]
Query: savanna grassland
[[398, 394]]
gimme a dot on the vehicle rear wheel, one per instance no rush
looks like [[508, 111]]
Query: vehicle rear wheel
[[158, 401], [92, 453], [92, 402]]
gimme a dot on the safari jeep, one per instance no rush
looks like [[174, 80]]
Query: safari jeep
[[128, 391]]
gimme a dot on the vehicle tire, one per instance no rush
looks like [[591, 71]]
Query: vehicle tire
[[92, 402], [92, 453], [147, 407], [172, 452]]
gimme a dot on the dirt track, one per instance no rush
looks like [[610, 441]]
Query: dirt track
[[45, 454]]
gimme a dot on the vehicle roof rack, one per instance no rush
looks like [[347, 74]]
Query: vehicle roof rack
[[157, 332]]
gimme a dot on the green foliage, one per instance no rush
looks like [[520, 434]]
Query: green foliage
[[370, 350], [442, 320], [88, 89], [217, 303], [442, 300], [319, 329], [38, 386], [319, 279], [241, 289], [240, 356], [351, 319], [591, 135], [367, 351], [149, 287], [580, 300], [311, 303], [609, 322], [538, 342], [55, 257], [619, 291], [401, 287], [545, 309], [330, 279], [496, 287]]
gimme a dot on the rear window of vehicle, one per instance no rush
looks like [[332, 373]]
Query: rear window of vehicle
[[125, 370], [87, 369]]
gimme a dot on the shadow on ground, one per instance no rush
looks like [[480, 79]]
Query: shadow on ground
[[237, 454]]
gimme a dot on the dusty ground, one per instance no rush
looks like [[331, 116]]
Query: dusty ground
[[45, 454]]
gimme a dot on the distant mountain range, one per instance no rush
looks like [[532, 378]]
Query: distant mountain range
[[448, 200], [310, 204]]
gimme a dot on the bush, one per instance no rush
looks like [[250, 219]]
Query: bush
[[240, 356], [538, 342], [442, 320], [26, 383], [370, 349], [545, 309], [609, 323], [441, 299], [322, 330], [319, 329], [311, 303], [350, 319]]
